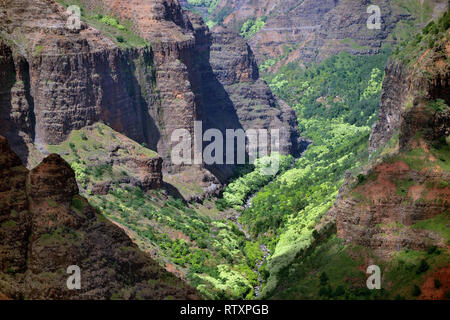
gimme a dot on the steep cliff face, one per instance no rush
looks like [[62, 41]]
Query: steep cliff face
[[405, 86], [410, 185], [311, 30], [45, 227], [234, 65], [61, 80]]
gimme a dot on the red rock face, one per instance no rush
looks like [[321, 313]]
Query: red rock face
[[314, 29], [45, 226], [74, 79], [376, 216], [378, 213]]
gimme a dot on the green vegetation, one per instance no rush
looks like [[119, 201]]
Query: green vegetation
[[78, 203], [210, 251], [121, 32], [409, 268], [336, 102], [430, 37], [61, 235], [438, 224], [38, 50], [251, 26], [342, 87], [403, 187], [329, 271], [86, 151], [332, 270], [8, 224], [353, 44], [214, 254], [237, 191], [211, 4]]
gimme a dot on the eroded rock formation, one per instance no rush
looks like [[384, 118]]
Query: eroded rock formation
[[45, 227], [59, 80], [379, 210], [313, 30]]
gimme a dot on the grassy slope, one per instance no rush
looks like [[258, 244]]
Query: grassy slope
[[328, 104], [344, 264], [121, 33], [193, 241], [403, 275]]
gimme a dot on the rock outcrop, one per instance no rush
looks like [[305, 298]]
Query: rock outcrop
[[313, 30], [63, 80], [105, 157], [379, 209], [400, 92], [45, 227], [379, 213]]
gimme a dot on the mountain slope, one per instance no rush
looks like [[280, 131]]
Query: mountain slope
[[305, 31], [47, 227], [395, 214], [61, 79]]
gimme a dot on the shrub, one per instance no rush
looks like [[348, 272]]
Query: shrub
[[431, 249], [437, 283], [361, 178], [325, 291], [339, 291], [423, 267], [416, 291], [77, 203], [120, 39], [323, 279]]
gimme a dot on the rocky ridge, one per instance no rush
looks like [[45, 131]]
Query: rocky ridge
[[46, 226], [64, 80], [410, 183], [312, 30]]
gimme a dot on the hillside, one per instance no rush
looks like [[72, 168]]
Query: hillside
[[90, 115], [145, 69], [395, 213], [282, 32], [46, 226]]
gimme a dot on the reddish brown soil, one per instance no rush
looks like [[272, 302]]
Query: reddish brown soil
[[382, 188], [429, 292], [172, 269], [415, 192], [438, 194], [3, 297]]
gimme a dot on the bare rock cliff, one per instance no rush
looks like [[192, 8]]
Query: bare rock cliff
[[410, 184], [313, 30], [57, 80]]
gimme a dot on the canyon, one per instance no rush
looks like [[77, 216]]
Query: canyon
[[310, 30], [68, 79], [86, 123]]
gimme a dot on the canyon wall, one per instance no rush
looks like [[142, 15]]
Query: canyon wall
[[409, 183], [311, 30], [58, 80], [45, 227]]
